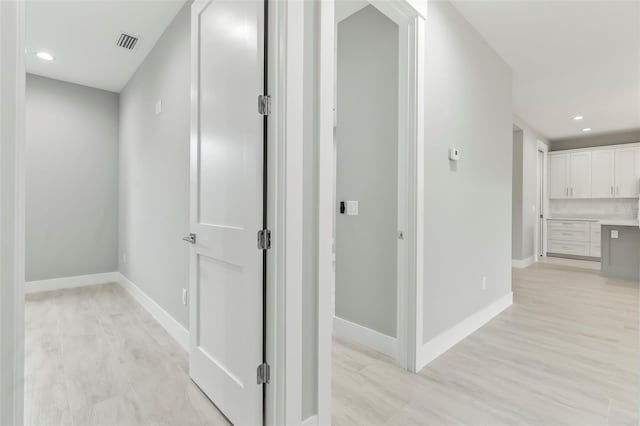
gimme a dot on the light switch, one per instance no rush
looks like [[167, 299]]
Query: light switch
[[614, 234], [158, 107], [352, 208]]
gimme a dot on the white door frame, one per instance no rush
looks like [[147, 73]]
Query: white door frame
[[541, 147], [284, 262], [12, 213], [410, 16]]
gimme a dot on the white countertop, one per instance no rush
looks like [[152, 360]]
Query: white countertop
[[620, 222], [608, 222]]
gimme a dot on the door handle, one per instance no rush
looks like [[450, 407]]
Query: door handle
[[191, 239]]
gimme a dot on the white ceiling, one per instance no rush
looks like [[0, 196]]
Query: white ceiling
[[82, 36], [568, 58]]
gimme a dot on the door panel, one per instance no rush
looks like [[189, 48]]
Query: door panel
[[226, 320], [627, 172], [558, 176], [602, 173], [580, 181]]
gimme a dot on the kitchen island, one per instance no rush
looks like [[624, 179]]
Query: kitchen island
[[621, 249]]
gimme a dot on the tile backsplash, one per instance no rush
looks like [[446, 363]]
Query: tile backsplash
[[619, 208]]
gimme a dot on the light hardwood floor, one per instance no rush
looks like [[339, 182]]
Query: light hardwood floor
[[566, 353], [94, 356]]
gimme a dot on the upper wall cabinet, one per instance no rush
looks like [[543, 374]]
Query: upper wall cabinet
[[597, 173], [559, 176], [580, 172], [627, 172], [603, 178], [570, 175]]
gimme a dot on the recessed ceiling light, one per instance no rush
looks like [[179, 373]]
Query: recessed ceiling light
[[45, 56], [586, 129], [578, 117]]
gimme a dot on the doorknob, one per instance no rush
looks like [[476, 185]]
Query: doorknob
[[191, 239]]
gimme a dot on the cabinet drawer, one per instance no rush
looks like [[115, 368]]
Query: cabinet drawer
[[595, 250], [580, 235], [572, 248], [568, 226]]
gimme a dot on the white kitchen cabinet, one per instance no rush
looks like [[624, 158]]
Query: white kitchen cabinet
[[627, 172], [603, 173], [570, 175], [574, 238], [580, 175], [559, 176]]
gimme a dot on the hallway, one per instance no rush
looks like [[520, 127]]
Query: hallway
[[565, 353]]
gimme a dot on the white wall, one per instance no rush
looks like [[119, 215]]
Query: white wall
[[367, 160], [154, 171], [71, 179], [526, 186], [467, 204], [12, 83]]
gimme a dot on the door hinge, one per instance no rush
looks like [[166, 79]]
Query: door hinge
[[264, 371], [264, 104], [264, 239]]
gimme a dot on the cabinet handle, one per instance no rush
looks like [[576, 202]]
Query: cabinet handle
[[572, 191], [611, 189]]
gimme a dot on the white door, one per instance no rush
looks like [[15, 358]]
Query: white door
[[627, 172], [603, 173], [558, 175], [580, 175], [226, 271]]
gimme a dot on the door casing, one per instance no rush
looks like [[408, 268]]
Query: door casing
[[410, 17]]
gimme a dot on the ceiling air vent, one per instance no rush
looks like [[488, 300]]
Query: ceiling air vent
[[127, 41]]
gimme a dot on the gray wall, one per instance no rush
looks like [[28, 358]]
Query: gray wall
[[468, 204], [525, 191], [516, 194], [367, 159], [154, 171], [71, 179], [631, 136]]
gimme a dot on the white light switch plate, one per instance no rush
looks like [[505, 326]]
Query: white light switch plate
[[352, 208], [158, 107], [614, 234]]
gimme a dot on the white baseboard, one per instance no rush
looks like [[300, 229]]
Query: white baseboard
[[70, 282], [524, 263], [446, 340], [365, 336], [311, 421], [173, 327]]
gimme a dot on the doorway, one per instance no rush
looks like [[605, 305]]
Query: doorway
[[366, 140], [541, 202]]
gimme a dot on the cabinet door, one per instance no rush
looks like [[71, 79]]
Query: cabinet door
[[627, 172], [558, 174], [580, 172], [603, 173]]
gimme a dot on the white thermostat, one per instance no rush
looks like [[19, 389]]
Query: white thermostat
[[454, 154]]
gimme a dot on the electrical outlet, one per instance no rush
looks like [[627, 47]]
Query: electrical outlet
[[484, 283], [184, 296], [615, 234]]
